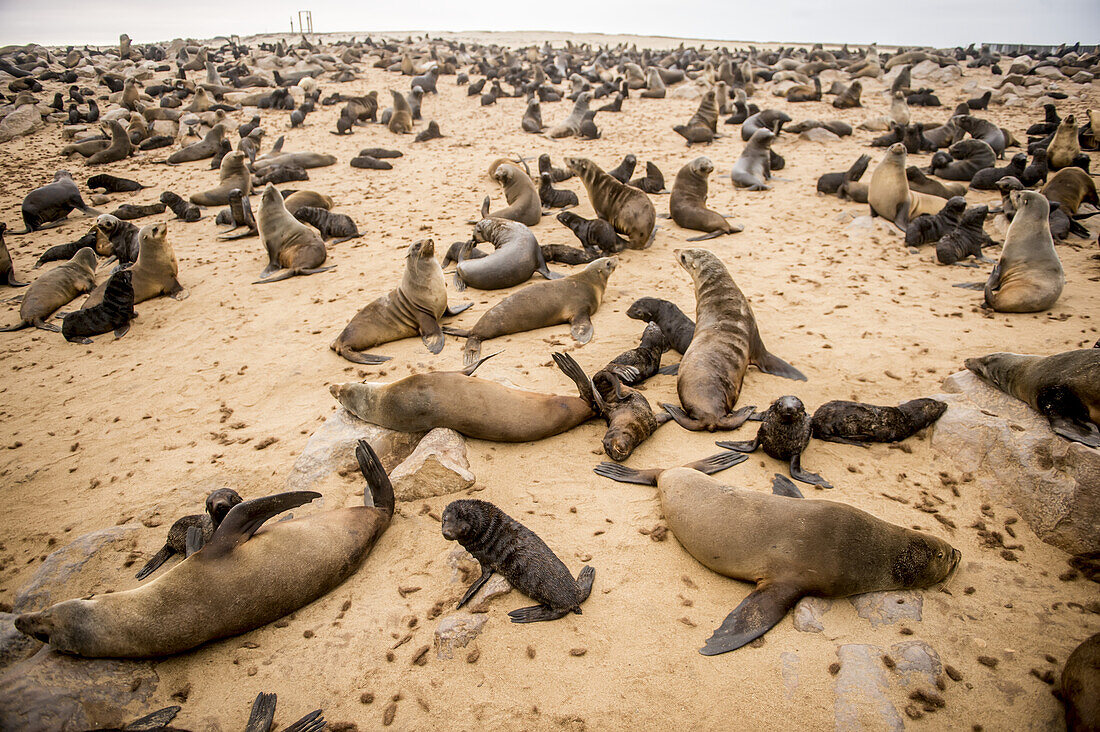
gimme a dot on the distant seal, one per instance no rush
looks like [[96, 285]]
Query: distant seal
[[889, 196], [47, 206], [291, 245], [7, 270], [572, 300], [477, 408], [401, 121], [921, 183], [676, 327], [305, 160], [986, 180], [183, 210], [627, 209], [500, 544], [1079, 686], [981, 129], [532, 117], [113, 184], [726, 340], [1065, 148], [516, 258], [784, 434], [653, 181], [414, 307], [201, 150], [930, 228], [155, 271], [790, 547], [594, 234], [1064, 388], [339, 227], [242, 579], [831, 182], [55, 289], [849, 97], [218, 504], [768, 119], [233, 174], [688, 202], [294, 200], [855, 423], [1028, 277], [624, 169], [753, 168], [114, 313], [521, 194], [119, 149]]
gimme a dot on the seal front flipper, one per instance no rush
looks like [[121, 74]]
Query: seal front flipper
[[743, 446], [381, 489], [804, 475], [901, 218], [712, 235], [430, 332], [244, 519], [472, 352], [469, 370], [1075, 430], [670, 370], [581, 328], [970, 285], [784, 486], [756, 615], [536, 614], [122, 330], [718, 463], [453, 310], [587, 390], [262, 714], [12, 282], [153, 564], [477, 585], [157, 720]]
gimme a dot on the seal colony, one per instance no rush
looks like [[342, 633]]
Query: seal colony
[[808, 286]]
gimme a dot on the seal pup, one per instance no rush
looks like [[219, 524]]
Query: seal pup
[[595, 235], [233, 174], [653, 181], [532, 117], [1079, 686], [1064, 388], [521, 194], [888, 193], [113, 184], [114, 313], [553, 197], [155, 271], [500, 544], [986, 179], [242, 579], [218, 504], [790, 547], [517, 256], [638, 364], [831, 182], [572, 300], [206, 148], [768, 119], [414, 307], [929, 228], [855, 423], [48, 205], [624, 169], [784, 434], [7, 270], [628, 209], [336, 226], [291, 245], [1064, 149], [963, 160], [55, 289], [674, 324], [476, 408], [754, 166], [967, 238], [183, 210], [240, 216], [688, 202]]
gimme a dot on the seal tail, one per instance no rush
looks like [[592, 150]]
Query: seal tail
[[262, 714], [153, 564], [756, 615], [370, 466]]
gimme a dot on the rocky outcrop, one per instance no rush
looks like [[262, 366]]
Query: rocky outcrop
[[437, 467]]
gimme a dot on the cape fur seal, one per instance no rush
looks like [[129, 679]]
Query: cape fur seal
[[245, 577], [114, 313], [339, 227], [500, 544], [155, 271], [628, 209], [202, 149], [55, 289], [790, 547], [521, 194], [7, 270], [753, 168], [233, 174], [119, 149], [677, 327], [889, 196], [688, 202], [291, 245], [217, 505], [855, 423], [1079, 686], [725, 341], [1064, 388], [784, 434], [930, 228], [48, 205], [517, 256], [596, 235]]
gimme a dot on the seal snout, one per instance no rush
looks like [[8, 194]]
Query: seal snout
[[335, 390], [32, 625]]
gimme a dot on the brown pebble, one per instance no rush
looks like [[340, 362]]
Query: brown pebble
[[889, 662], [1008, 555], [182, 694], [342, 727], [252, 670], [952, 672], [406, 591], [282, 623], [436, 610], [265, 442], [929, 696], [389, 714], [906, 631], [423, 704], [420, 658], [988, 661], [977, 728], [758, 642], [1068, 576], [390, 656], [969, 591], [366, 698], [834, 668], [687, 581], [473, 655], [346, 606], [307, 634], [1046, 676], [659, 533], [687, 622], [577, 651], [940, 683], [1050, 659], [530, 651], [913, 711], [413, 621]]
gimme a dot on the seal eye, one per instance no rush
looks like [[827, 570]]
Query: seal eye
[[939, 555]]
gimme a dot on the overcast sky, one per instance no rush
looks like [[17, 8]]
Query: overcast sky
[[889, 22]]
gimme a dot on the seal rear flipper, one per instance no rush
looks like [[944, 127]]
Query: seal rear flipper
[[262, 714], [457, 332], [469, 370], [472, 589], [359, 357], [623, 474], [756, 615], [485, 208], [430, 332], [312, 722], [381, 490], [536, 614], [43, 325], [176, 291], [153, 564], [12, 282], [244, 519], [718, 463], [784, 486], [587, 390], [735, 419], [901, 217], [1075, 430], [629, 374], [584, 583], [712, 235], [769, 363], [122, 330], [670, 370], [459, 283], [453, 310], [18, 326], [581, 328], [745, 446], [804, 475], [155, 721], [682, 418], [970, 285], [843, 440]]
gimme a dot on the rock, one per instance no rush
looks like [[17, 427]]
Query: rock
[[14, 646], [466, 570], [492, 589], [457, 631], [871, 226], [686, 91], [1082, 77], [332, 448], [818, 134], [1050, 72], [78, 569], [924, 70], [945, 75], [807, 614], [436, 467], [862, 686], [52, 691], [165, 127], [68, 132], [99, 199], [22, 121], [1054, 484], [918, 664], [887, 608]]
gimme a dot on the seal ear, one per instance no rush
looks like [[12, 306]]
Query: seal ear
[[756, 615], [244, 519]]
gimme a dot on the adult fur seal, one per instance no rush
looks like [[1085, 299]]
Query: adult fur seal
[[47, 206], [243, 578], [500, 544], [1079, 686], [119, 149], [1064, 388], [155, 271], [202, 149], [726, 340], [1064, 148], [516, 258], [218, 504], [889, 196], [401, 120], [55, 289], [521, 194], [784, 434], [753, 168], [572, 300], [477, 408], [415, 306], [233, 174], [114, 313], [855, 423], [677, 327], [1071, 187], [790, 547], [688, 202], [768, 119], [7, 270], [291, 245], [628, 209]]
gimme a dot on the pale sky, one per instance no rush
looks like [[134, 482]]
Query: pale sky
[[889, 22]]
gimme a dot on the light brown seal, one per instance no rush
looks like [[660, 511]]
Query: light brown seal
[[155, 271], [524, 205], [628, 209], [233, 174], [889, 196], [55, 289], [291, 245], [1064, 147], [245, 577], [688, 202], [1080, 686], [726, 340], [119, 149], [7, 269], [516, 258], [754, 167], [401, 120]]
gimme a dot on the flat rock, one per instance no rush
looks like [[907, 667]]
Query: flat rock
[[862, 698], [918, 664], [887, 608], [807, 614], [818, 134], [924, 69], [1050, 72], [22, 121], [437, 467], [1054, 484], [457, 631]]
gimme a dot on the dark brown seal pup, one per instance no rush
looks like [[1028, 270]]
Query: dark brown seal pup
[[532, 118], [688, 202], [594, 234], [855, 423], [930, 228], [183, 210], [117, 238], [7, 270], [242, 579], [47, 206], [963, 160], [1064, 388], [1079, 687], [572, 300], [331, 225], [291, 245], [500, 544], [831, 182], [218, 504], [55, 289], [239, 216], [113, 184], [130, 211], [638, 364], [676, 327], [967, 238], [113, 313], [516, 257], [784, 434], [753, 168], [790, 547], [986, 179], [653, 181], [625, 169], [627, 209], [554, 197], [726, 340]]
